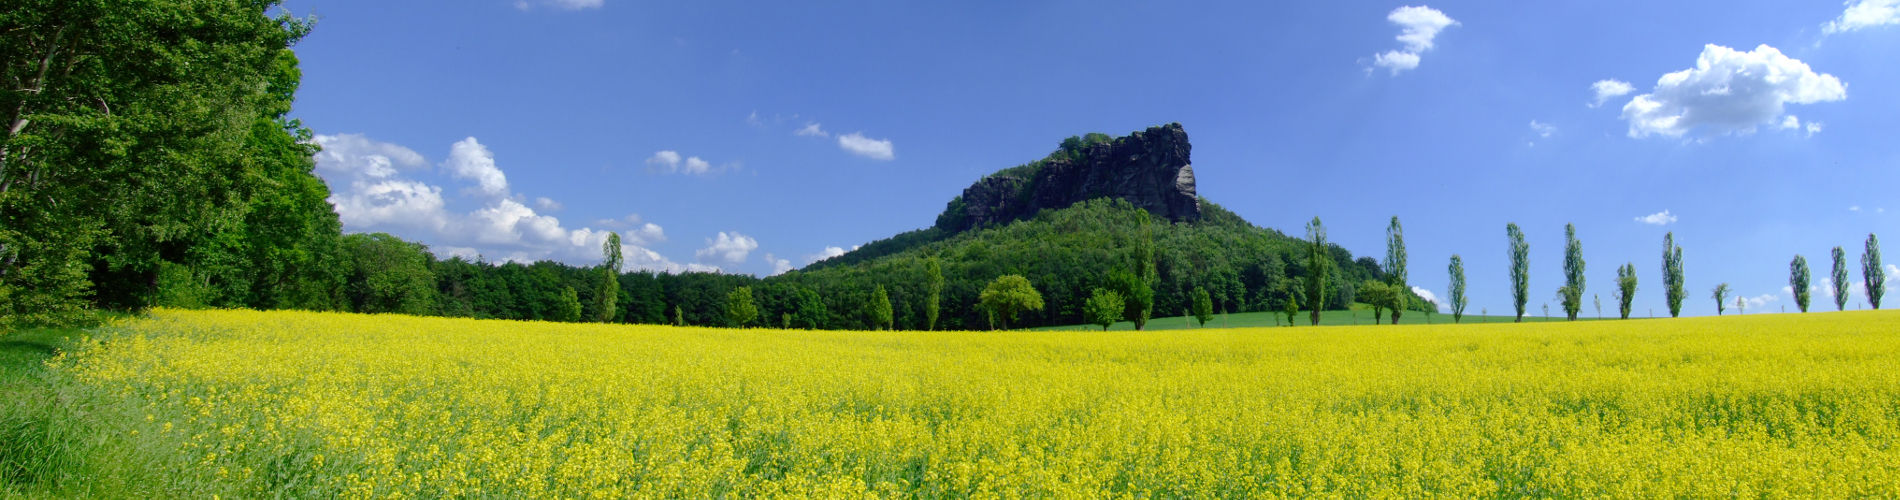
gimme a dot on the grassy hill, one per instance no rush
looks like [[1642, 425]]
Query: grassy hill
[[1066, 253]]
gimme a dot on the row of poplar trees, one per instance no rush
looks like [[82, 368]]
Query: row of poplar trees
[[1389, 295]]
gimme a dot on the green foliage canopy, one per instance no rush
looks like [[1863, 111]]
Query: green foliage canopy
[[1008, 295], [1104, 308]]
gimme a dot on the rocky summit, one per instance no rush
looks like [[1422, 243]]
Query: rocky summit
[[1150, 169]]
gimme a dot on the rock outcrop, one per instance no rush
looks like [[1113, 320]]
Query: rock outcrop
[[1150, 169]]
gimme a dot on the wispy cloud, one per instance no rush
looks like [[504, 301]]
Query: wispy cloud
[[1609, 89], [669, 161], [560, 4], [1543, 130], [811, 129], [1662, 218], [876, 149]]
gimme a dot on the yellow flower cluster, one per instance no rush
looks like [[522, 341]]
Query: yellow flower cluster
[[323, 404]]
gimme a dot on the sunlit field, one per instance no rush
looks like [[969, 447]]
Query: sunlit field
[[237, 403]]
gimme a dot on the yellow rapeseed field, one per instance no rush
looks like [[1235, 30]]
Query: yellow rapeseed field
[[251, 404]]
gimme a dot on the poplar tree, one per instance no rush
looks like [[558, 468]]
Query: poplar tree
[[1672, 274], [1457, 288], [1572, 290], [1319, 265], [933, 298], [606, 301], [880, 309], [1395, 266], [1871, 271], [1720, 293], [1840, 279], [1798, 281], [1520, 268]]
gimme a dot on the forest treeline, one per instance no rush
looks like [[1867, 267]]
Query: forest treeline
[[150, 160], [1064, 253]]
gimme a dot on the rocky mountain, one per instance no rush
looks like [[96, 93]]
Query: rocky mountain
[[1150, 169]]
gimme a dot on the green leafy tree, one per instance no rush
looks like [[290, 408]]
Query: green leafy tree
[[1203, 306], [137, 134], [1720, 293], [1597, 300], [933, 296], [568, 309], [880, 309], [1572, 290], [1840, 284], [1520, 253], [1291, 308], [679, 316], [1798, 281], [808, 309], [1132, 289], [1008, 295], [741, 307], [1870, 270], [1395, 263], [1457, 288], [1672, 274], [607, 307], [1625, 288], [388, 275], [1378, 295], [1319, 265], [1104, 308]]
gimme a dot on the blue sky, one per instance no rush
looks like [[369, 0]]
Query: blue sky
[[754, 137]]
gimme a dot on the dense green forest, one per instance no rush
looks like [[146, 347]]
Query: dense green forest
[[149, 157], [150, 160]]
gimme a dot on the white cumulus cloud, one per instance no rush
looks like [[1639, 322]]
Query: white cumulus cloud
[[1418, 28], [827, 253], [1864, 14], [729, 247], [857, 144], [811, 130], [1395, 61], [1609, 89], [1662, 218], [356, 155], [371, 192], [397, 203], [1729, 92], [469, 159], [1760, 301], [779, 266]]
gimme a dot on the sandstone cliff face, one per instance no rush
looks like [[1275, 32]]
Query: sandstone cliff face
[[1150, 169]]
